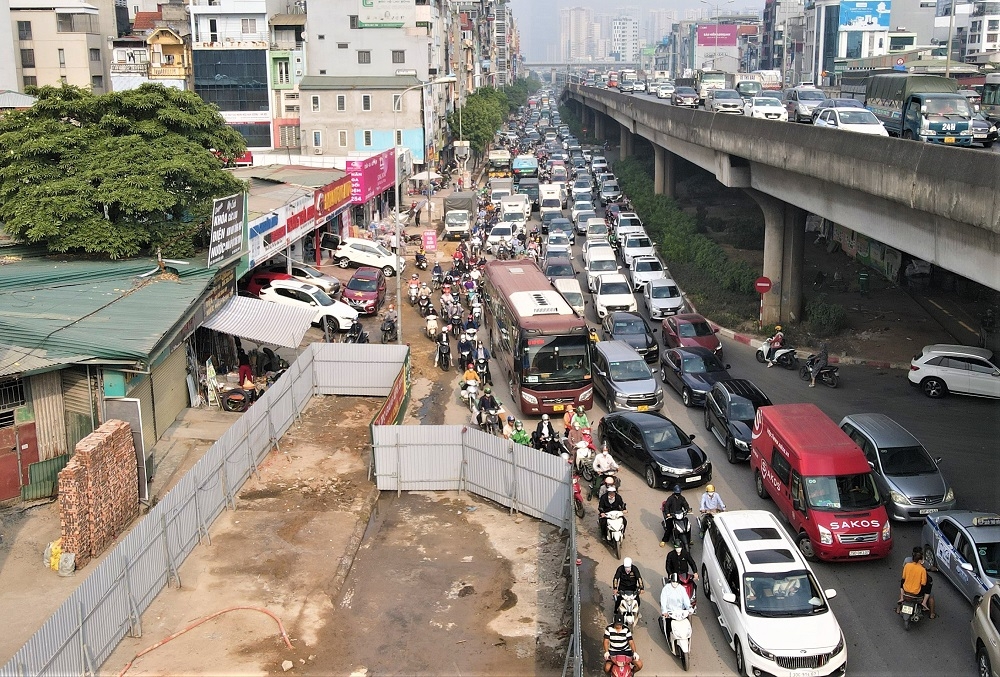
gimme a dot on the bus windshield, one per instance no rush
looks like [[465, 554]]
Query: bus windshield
[[555, 359], [842, 492]]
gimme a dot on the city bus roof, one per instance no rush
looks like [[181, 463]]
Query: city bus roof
[[530, 296]]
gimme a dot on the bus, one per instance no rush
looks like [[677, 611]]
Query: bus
[[540, 343], [525, 167], [991, 98], [612, 79]]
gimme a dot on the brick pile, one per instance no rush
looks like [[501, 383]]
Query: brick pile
[[98, 491]]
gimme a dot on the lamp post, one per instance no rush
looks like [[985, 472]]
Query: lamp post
[[717, 6], [951, 30], [400, 246]]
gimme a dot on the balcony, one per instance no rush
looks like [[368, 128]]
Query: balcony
[[129, 68], [168, 72]]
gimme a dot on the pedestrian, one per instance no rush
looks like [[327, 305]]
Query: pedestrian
[[393, 243], [461, 183], [416, 216], [245, 372]]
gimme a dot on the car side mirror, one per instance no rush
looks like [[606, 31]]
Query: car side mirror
[[830, 593], [938, 459], [797, 504], [715, 331], [729, 597], [967, 566]]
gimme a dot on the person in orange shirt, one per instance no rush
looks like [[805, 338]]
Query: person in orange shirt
[[568, 419], [914, 580]]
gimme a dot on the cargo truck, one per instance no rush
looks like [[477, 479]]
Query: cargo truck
[[748, 85], [459, 211], [920, 107]]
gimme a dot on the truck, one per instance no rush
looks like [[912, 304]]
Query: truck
[[500, 188], [748, 85], [920, 107], [459, 211], [770, 79], [499, 163], [709, 79]]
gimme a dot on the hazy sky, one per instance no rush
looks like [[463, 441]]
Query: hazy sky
[[538, 21]]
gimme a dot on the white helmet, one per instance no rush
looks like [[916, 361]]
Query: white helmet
[[581, 444], [627, 562], [545, 417]]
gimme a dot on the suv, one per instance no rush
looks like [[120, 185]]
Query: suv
[[801, 101], [724, 101], [775, 615], [623, 379], [357, 252], [986, 633], [612, 292], [312, 298], [939, 369]]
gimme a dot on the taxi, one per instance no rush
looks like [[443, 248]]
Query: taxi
[[965, 546]]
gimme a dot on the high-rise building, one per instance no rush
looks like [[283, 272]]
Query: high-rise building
[[575, 33], [659, 24], [625, 39]]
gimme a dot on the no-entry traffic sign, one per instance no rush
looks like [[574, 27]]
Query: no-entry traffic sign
[[762, 285]]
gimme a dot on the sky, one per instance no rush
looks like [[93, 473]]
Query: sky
[[538, 21]]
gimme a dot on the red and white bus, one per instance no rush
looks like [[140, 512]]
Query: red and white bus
[[541, 344], [612, 79]]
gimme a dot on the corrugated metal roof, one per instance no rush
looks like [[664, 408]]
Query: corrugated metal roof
[[10, 99], [288, 20], [262, 322], [357, 82], [19, 360], [312, 177]]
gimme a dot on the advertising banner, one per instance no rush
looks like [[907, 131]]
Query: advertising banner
[[429, 239], [865, 15], [393, 410], [371, 176], [723, 35], [226, 234], [332, 197], [387, 14], [287, 224]]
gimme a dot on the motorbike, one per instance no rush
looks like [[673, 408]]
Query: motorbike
[[616, 531], [621, 666], [455, 318], [828, 375], [783, 356], [679, 639], [421, 261], [911, 610], [356, 334], [628, 606], [691, 587], [412, 292], [477, 310], [431, 326], [680, 527], [584, 455], [597, 486], [550, 444], [389, 330], [481, 369], [503, 251], [491, 422], [442, 357], [464, 358], [437, 279], [577, 496], [470, 393], [424, 306]]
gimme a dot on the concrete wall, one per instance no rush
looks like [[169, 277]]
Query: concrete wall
[[8, 63]]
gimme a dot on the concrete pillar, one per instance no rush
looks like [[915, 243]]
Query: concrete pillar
[[658, 169], [588, 121], [774, 254], [791, 268], [669, 187], [626, 144], [599, 126]]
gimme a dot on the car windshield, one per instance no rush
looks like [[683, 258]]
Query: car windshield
[[362, 284], [629, 327], [766, 102], [696, 364], [693, 329], [664, 435], [552, 202], [559, 270], [456, 217], [741, 409], [647, 266], [903, 461], [632, 370], [842, 492], [500, 231], [858, 117], [687, 91], [558, 237], [989, 557], [665, 291], [628, 221], [562, 225], [788, 593], [811, 95], [726, 94], [554, 359], [610, 187], [573, 298], [602, 265], [945, 107], [597, 229], [584, 216], [638, 243], [615, 288]]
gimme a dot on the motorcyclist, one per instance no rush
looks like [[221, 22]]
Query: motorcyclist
[[913, 580], [675, 503], [421, 257], [580, 417], [618, 641], [680, 562], [470, 323], [918, 556], [711, 504], [486, 403], [465, 347], [777, 341], [508, 427], [817, 363], [673, 598], [568, 419], [603, 464], [520, 434], [610, 501], [575, 435], [483, 353], [544, 432], [390, 314], [437, 272], [470, 375], [627, 579]]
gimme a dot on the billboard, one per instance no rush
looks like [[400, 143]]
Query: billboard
[[865, 15], [226, 232], [387, 14], [333, 196], [370, 176], [723, 35], [272, 232]]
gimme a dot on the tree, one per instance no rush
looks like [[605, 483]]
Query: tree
[[481, 117], [117, 174]]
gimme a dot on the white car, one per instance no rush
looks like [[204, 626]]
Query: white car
[[581, 205], [766, 108], [599, 261], [851, 120], [639, 86], [558, 244], [595, 242], [636, 244], [501, 232], [309, 275], [975, 371], [357, 252], [599, 164], [570, 290], [595, 226], [309, 296], [644, 269], [613, 293], [662, 298], [664, 91]]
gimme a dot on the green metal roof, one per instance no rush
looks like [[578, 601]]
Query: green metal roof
[[55, 312]]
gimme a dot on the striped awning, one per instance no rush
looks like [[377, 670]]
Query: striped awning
[[262, 322]]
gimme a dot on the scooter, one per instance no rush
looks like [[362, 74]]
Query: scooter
[[424, 306], [577, 496], [412, 291], [491, 422], [477, 310], [621, 666], [680, 529], [481, 369], [679, 638], [616, 531], [431, 325], [911, 610], [628, 606], [597, 487], [442, 357], [585, 455], [691, 587], [421, 262], [470, 393], [828, 375], [784, 356], [389, 330], [356, 334]]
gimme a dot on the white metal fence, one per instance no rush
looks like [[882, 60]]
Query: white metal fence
[[108, 605]]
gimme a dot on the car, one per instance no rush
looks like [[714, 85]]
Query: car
[[643, 269], [565, 226], [558, 266], [723, 101], [776, 616], [582, 204], [664, 91], [598, 164], [557, 243], [356, 252], [599, 247], [692, 372], [766, 108], [983, 131], [940, 369], [904, 472], [627, 219], [800, 102], [656, 448], [581, 221], [638, 86], [685, 97], [626, 86], [730, 408], [636, 244], [835, 103], [501, 232], [365, 291], [858, 120], [306, 273], [260, 279], [612, 292], [633, 330], [691, 330], [309, 296], [622, 379], [986, 634], [547, 218], [595, 229], [610, 191], [662, 298], [965, 547], [571, 291]]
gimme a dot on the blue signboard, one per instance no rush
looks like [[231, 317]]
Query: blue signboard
[[865, 15]]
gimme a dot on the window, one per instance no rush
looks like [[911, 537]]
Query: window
[[368, 137], [341, 45], [248, 26], [399, 56], [288, 136], [399, 137], [321, 36], [364, 56], [342, 138], [23, 30], [76, 23], [341, 102], [292, 108], [317, 139], [366, 102], [97, 81], [995, 612], [322, 71], [314, 103], [63, 80], [949, 531], [354, 21], [780, 466], [95, 55], [27, 58], [283, 75], [62, 58], [11, 393], [397, 102], [30, 81]]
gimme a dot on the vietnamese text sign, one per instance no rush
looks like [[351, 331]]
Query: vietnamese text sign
[[274, 231], [370, 176], [865, 15], [333, 196], [226, 234], [387, 14], [723, 35]]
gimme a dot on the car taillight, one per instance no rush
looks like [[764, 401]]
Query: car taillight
[[914, 367]]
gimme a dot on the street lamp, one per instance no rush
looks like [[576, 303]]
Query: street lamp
[[717, 6], [400, 245]]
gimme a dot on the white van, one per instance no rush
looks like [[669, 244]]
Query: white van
[[571, 291], [549, 200], [517, 203], [600, 261]]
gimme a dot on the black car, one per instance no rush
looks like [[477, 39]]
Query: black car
[[558, 266], [547, 218], [730, 409], [656, 448], [633, 330], [983, 131], [692, 372], [561, 223]]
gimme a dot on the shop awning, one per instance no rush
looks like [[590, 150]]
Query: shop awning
[[262, 322]]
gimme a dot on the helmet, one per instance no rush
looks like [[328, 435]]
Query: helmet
[[609, 480], [710, 488], [518, 425], [612, 489], [677, 487], [581, 444], [545, 417], [777, 327], [488, 390], [619, 619], [510, 419], [627, 562], [677, 544], [675, 579], [414, 277]]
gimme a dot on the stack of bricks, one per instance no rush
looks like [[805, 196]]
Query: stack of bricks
[[98, 491]]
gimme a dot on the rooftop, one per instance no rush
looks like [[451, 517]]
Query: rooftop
[[339, 82]]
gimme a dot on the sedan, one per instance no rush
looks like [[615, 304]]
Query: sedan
[[766, 108], [664, 91], [365, 291], [685, 97], [724, 101], [564, 226], [308, 274], [581, 221], [662, 298], [730, 409], [835, 103], [692, 372], [691, 330], [656, 448], [581, 205], [636, 245], [851, 120], [633, 330], [645, 269], [983, 131], [610, 192], [559, 266], [965, 547], [558, 244]]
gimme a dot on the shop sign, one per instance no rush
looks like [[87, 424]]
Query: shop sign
[[370, 176], [430, 240], [275, 231], [387, 14], [333, 197], [226, 239]]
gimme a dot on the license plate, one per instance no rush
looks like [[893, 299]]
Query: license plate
[[642, 407], [949, 139], [928, 511], [694, 478], [558, 407], [907, 609], [859, 553]]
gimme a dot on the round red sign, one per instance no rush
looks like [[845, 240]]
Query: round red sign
[[762, 285]]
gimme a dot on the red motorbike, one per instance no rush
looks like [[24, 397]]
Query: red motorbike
[[577, 496], [621, 666], [687, 580]]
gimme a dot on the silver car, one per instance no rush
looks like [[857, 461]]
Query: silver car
[[724, 101], [662, 298], [623, 379]]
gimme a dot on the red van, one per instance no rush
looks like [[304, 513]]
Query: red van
[[821, 482]]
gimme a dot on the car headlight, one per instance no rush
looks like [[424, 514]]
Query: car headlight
[[756, 648], [659, 392], [949, 495], [886, 531], [825, 535], [897, 497], [840, 646], [741, 444], [587, 394], [668, 470], [993, 129], [529, 398]]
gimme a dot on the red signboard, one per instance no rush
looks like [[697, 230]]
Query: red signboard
[[762, 285], [332, 196], [723, 35], [430, 239], [370, 176]]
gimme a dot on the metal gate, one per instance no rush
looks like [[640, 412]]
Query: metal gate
[[170, 393], [143, 391], [78, 400]]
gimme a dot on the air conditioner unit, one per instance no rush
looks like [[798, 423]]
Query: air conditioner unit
[[317, 151]]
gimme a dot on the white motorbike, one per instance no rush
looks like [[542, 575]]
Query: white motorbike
[[783, 356], [628, 607], [477, 310], [616, 530], [470, 393], [679, 639], [412, 292], [431, 327]]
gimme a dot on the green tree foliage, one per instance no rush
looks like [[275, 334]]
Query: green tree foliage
[[114, 175], [482, 115], [518, 93]]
